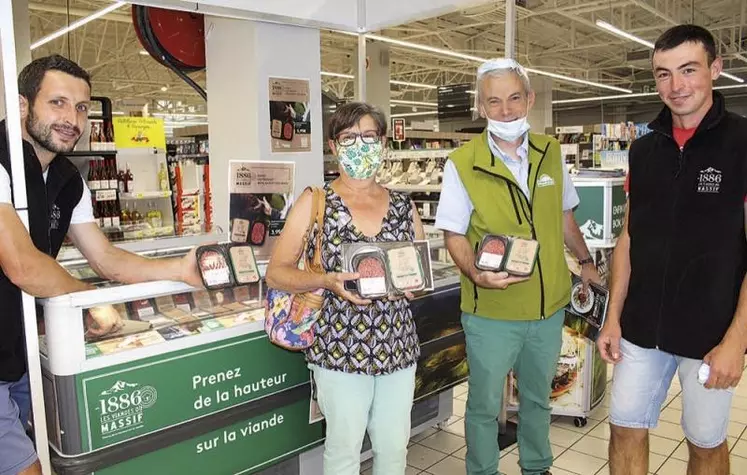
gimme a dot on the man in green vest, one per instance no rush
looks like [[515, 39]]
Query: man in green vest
[[511, 182]]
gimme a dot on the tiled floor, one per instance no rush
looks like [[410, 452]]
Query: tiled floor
[[577, 451]]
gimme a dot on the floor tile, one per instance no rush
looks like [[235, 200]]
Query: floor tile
[[509, 464], [456, 428], [672, 415], [669, 430], [567, 423], [655, 461], [444, 442], [579, 463], [739, 402], [563, 437], [673, 467], [448, 466], [460, 390], [676, 403], [681, 452], [461, 453], [459, 407], [736, 429], [560, 471], [661, 445], [599, 413], [740, 449], [602, 431], [425, 434], [463, 397], [592, 446], [738, 465], [422, 457], [412, 471], [605, 470], [738, 415]]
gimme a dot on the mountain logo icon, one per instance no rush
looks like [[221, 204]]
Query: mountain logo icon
[[118, 387], [592, 230]]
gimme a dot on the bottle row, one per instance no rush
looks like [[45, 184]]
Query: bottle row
[[102, 136], [109, 214], [103, 175]]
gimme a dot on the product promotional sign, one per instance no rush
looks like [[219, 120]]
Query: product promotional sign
[[619, 204], [134, 399], [590, 213], [290, 115], [139, 132], [243, 448], [260, 196]]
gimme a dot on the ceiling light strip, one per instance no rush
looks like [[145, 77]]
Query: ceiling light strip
[[624, 34], [629, 96], [414, 103], [77, 24]]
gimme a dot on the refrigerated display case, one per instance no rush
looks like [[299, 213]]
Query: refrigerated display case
[[192, 385]]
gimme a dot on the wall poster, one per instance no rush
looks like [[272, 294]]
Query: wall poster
[[260, 196], [290, 115]]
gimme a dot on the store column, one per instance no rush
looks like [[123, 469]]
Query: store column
[[242, 56], [378, 90], [23, 43], [540, 117]]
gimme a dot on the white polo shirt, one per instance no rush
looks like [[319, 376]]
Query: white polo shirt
[[454, 212]]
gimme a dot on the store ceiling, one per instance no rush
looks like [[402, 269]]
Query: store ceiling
[[558, 36]]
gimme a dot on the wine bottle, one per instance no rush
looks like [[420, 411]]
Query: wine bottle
[[115, 213], [92, 185], [106, 213], [163, 177], [112, 168], [129, 180], [121, 181], [125, 215]]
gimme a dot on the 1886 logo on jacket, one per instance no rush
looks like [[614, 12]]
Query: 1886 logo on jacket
[[709, 181]]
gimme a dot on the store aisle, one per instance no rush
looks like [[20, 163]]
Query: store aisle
[[578, 451]]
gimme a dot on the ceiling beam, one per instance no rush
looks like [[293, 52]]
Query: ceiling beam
[[76, 12]]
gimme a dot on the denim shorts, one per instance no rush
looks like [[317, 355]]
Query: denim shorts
[[640, 385], [16, 449]]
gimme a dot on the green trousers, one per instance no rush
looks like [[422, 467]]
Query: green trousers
[[532, 349]]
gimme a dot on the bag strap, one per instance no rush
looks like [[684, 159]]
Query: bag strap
[[318, 203]]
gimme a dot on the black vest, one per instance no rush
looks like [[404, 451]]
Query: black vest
[[50, 208], [688, 250]]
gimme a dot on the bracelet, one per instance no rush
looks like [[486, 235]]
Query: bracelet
[[588, 260]]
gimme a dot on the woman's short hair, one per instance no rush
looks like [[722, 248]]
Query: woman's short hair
[[350, 114]]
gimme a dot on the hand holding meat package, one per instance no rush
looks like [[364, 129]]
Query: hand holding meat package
[[388, 268], [227, 265], [514, 255]]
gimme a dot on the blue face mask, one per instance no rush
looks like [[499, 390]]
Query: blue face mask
[[361, 160]]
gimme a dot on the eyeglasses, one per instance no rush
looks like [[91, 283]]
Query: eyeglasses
[[347, 140]]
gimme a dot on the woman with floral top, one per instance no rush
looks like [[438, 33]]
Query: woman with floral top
[[364, 355]]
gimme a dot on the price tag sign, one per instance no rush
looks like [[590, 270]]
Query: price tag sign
[[106, 195], [398, 130]]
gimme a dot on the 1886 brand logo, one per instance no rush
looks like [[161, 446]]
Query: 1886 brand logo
[[122, 407], [709, 181]]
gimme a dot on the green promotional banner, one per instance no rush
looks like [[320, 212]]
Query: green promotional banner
[[130, 400], [619, 201], [590, 212], [246, 447]]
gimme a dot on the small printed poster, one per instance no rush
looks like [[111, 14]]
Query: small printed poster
[[139, 132], [260, 196], [398, 130], [290, 115]]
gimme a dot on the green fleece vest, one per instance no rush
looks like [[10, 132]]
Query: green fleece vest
[[500, 207]]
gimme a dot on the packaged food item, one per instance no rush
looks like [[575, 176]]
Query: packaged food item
[[370, 264], [521, 257], [499, 253], [182, 302], [405, 268], [244, 264], [491, 253], [165, 303], [142, 308], [214, 267], [257, 233], [239, 230]]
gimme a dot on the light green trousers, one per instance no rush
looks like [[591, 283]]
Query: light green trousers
[[532, 349]]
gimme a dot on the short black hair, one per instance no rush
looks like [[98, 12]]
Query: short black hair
[[679, 34], [348, 115], [31, 77]]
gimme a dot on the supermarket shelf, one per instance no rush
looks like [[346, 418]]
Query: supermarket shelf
[[415, 188], [90, 153], [144, 195]]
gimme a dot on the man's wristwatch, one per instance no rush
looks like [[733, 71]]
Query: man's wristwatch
[[588, 260]]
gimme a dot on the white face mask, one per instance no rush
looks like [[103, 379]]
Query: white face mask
[[508, 131]]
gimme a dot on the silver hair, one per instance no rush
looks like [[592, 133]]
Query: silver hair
[[498, 72]]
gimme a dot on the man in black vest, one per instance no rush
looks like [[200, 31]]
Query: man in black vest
[[54, 95], [678, 291]]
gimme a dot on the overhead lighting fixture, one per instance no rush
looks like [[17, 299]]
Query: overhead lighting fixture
[[338, 75], [732, 77], [413, 84], [413, 114], [78, 23], [478, 59], [414, 103], [623, 34], [144, 53], [628, 96], [740, 57], [165, 88]]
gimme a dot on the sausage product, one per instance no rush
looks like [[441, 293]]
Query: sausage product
[[257, 233], [372, 269], [491, 253], [214, 267]]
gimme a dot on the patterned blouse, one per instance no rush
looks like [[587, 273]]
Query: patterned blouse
[[373, 339]]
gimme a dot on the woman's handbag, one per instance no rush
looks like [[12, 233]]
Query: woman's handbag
[[290, 318]]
